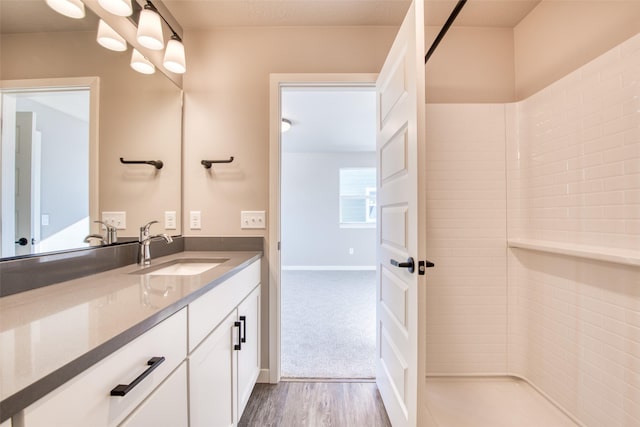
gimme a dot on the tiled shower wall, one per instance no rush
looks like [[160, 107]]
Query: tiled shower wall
[[571, 326], [573, 175], [466, 238]]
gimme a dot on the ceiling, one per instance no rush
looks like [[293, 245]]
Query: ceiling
[[204, 14], [35, 16], [329, 119]]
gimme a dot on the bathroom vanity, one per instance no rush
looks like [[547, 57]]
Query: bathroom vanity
[[135, 346]]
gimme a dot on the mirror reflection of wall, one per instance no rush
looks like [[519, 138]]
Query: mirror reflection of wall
[[140, 116]]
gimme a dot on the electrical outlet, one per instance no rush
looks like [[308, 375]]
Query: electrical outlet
[[117, 219], [170, 220], [252, 219], [195, 220]]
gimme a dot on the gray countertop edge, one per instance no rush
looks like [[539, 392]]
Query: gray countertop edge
[[20, 400]]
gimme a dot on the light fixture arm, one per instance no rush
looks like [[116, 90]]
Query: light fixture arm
[[151, 6]]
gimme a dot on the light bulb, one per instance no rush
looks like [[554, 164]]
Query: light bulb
[[141, 64], [174, 57], [71, 8], [149, 32], [109, 38], [117, 7]]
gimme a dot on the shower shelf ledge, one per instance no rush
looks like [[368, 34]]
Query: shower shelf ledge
[[598, 253]]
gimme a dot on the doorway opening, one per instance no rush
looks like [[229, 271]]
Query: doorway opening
[[328, 232]]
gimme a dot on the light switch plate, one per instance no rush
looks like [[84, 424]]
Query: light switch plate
[[170, 220], [117, 219], [252, 219], [195, 220]]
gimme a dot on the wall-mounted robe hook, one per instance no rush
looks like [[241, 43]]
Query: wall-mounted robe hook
[[207, 163], [155, 163]]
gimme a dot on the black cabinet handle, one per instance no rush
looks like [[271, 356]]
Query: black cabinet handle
[[243, 319], [410, 264], [123, 389], [239, 345]]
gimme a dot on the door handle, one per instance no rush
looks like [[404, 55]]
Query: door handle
[[123, 389], [410, 264], [22, 241], [423, 265]]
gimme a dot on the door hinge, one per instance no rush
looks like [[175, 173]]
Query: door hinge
[[278, 245]]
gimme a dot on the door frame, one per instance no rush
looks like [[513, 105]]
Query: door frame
[[276, 83]]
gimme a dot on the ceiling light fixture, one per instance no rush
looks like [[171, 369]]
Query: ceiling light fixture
[[285, 126], [109, 38], [149, 32], [117, 7], [71, 8], [141, 64], [174, 57]]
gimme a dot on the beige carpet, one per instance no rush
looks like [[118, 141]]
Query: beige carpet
[[328, 324]]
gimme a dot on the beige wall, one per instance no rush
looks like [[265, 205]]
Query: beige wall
[[139, 119], [471, 64], [559, 36]]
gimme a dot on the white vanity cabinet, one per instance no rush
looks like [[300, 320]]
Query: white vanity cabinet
[[86, 399], [224, 365]]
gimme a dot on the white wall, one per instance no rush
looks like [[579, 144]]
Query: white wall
[[311, 233], [574, 181], [466, 239], [572, 325]]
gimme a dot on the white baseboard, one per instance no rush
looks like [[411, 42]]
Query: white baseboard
[[329, 267], [263, 376]]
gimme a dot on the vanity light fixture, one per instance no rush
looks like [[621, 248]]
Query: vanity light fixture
[[174, 58], [109, 38], [117, 7], [71, 8], [149, 32], [285, 126], [141, 64]]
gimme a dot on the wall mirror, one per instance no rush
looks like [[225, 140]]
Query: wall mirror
[[85, 108]]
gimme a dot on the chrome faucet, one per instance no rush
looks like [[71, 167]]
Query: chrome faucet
[[111, 235], [144, 253]]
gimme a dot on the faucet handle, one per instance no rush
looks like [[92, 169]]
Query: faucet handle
[[108, 227], [145, 228]]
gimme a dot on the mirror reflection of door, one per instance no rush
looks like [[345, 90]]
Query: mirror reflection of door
[[45, 170], [27, 193]]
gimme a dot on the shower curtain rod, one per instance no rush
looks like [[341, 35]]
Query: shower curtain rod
[[445, 28]]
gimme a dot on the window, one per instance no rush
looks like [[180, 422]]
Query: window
[[358, 197]]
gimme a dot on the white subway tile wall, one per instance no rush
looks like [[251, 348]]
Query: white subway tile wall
[[466, 238], [571, 156], [574, 170], [573, 176]]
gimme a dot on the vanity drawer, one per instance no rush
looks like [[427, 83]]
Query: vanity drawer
[[86, 401], [210, 309]]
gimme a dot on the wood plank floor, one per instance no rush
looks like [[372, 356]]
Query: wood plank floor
[[311, 404]]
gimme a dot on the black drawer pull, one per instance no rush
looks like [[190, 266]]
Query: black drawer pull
[[239, 345], [410, 264], [243, 319], [123, 389]]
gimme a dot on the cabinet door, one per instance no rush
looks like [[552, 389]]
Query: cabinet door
[[166, 407], [249, 355], [212, 379], [6, 423]]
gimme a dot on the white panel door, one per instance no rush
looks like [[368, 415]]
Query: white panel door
[[400, 371]]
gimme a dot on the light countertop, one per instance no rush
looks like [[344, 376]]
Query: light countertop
[[49, 335]]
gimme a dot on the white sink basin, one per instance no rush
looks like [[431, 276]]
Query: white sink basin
[[182, 267]]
